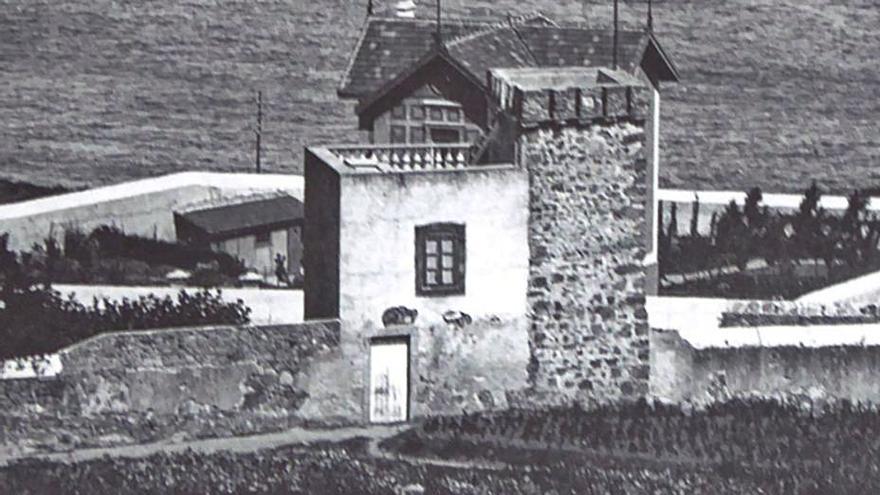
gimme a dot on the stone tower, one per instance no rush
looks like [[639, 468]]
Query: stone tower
[[581, 134]]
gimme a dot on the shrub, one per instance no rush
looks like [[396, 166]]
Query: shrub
[[35, 319], [115, 244]]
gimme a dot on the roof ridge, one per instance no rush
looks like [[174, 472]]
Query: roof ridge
[[476, 34], [510, 21], [346, 74]]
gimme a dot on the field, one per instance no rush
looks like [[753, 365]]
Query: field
[[732, 448], [774, 92]]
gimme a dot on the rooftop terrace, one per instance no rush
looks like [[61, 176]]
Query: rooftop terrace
[[398, 158]]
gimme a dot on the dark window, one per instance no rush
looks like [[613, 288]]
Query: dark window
[[398, 112], [398, 134], [445, 135], [263, 237], [416, 135], [417, 112], [453, 115], [440, 256], [436, 113]]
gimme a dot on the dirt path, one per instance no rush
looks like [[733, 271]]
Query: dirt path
[[244, 444]]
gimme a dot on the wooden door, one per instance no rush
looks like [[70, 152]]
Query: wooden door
[[389, 381]]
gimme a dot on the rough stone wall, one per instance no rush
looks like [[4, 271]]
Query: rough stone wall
[[703, 376], [589, 329], [145, 383]]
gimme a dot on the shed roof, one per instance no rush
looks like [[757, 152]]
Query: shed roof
[[246, 216]]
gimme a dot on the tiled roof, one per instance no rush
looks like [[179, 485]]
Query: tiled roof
[[494, 47], [246, 216], [574, 46], [389, 45]]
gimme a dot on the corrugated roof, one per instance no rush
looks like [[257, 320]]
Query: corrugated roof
[[246, 216], [389, 45]]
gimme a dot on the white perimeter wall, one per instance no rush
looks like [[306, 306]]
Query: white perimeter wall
[[142, 207]]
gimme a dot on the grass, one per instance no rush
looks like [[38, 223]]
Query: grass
[[774, 92]]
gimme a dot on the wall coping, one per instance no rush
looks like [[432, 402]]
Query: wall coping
[[52, 365], [293, 183], [805, 337], [773, 200], [849, 289], [181, 330], [697, 320]]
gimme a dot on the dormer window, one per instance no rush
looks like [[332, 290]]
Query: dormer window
[[440, 259]]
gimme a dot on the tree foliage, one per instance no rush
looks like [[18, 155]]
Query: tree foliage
[[35, 319], [831, 246]]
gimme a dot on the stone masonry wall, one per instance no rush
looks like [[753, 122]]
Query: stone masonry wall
[[589, 335], [131, 387]]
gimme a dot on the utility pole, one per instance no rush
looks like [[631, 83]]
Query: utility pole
[[614, 53], [259, 130], [439, 26]]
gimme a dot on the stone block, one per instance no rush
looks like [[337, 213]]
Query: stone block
[[616, 103], [535, 107], [566, 103]]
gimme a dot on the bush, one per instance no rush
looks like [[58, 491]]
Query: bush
[[35, 319], [113, 243], [840, 246]]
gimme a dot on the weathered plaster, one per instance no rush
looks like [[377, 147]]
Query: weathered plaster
[[681, 372]]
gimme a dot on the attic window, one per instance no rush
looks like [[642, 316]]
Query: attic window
[[417, 112], [398, 134], [440, 259], [398, 112], [436, 113]]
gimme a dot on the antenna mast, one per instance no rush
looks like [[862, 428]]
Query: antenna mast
[[650, 18]]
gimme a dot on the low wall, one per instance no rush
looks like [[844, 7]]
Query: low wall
[[822, 362], [145, 386], [131, 387], [143, 207]]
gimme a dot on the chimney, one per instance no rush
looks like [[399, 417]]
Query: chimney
[[405, 9]]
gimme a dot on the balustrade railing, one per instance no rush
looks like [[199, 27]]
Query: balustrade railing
[[404, 157]]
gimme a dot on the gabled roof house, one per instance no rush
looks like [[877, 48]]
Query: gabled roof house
[[416, 83]]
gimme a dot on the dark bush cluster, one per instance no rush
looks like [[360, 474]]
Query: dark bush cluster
[[348, 470], [797, 252], [114, 243], [35, 319], [109, 256], [782, 447]]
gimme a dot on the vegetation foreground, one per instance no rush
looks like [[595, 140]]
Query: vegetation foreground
[[737, 447]]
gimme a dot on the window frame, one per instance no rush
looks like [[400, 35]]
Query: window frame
[[263, 238], [440, 232]]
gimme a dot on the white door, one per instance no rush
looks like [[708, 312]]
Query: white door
[[389, 381]]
